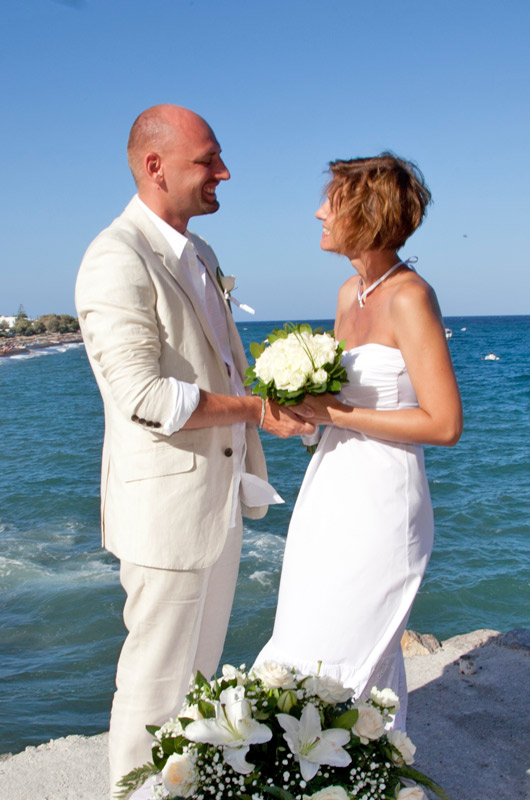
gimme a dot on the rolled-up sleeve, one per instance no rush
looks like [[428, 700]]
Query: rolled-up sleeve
[[186, 397]]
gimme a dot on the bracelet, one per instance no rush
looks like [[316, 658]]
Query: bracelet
[[262, 416]]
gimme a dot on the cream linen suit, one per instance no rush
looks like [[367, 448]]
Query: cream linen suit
[[165, 500]]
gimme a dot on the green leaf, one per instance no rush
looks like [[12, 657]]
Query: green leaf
[[419, 777], [256, 349], [346, 720], [134, 779], [206, 709], [172, 744], [160, 760], [152, 729], [276, 791]]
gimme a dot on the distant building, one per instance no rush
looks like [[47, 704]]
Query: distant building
[[9, 320]]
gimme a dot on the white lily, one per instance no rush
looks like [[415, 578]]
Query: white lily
[[233, 728], [311, 745]]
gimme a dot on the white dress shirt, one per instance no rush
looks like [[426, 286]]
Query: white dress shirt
[[254, 490]]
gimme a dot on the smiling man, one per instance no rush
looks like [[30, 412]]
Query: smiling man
[[181, 458]]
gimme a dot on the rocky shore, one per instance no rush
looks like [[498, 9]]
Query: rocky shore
[[18, 345], [469, 708]]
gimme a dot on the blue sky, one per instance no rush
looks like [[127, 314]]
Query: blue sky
[[287, 86]]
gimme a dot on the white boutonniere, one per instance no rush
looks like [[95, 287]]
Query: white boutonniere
[[227, 284]]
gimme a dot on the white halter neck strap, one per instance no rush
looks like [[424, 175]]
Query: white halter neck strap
[[362, 295]]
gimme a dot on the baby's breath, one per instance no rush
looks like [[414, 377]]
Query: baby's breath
[[240, 766]]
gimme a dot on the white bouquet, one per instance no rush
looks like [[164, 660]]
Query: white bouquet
[[274, 732], [295, 361]]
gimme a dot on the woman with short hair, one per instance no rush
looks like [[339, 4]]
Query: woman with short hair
[[362, 529]]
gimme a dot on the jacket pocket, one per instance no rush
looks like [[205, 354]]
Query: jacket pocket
[[157, 463]]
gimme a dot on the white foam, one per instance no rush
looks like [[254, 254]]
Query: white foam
[[263, 578]]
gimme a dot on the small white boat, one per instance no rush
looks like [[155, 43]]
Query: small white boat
[[463, 329], [491, 357], [448, 333]]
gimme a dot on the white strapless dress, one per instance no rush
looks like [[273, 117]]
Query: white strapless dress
[[358, 544]]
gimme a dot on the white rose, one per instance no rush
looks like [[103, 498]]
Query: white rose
[[320, 376], [385, 697], [191, 712], [402, 743], [329, 793], [263, 366], [290, 379], [323, 348], [227, 282], [275, 676], [179, 775], [295, 352], [412, 793], [328, 689], [231, 673], [370, 724]]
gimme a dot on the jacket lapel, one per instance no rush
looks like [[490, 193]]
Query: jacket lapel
[[172, 264], [234, 338]]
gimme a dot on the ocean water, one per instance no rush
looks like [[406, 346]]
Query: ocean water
[[60, 598]]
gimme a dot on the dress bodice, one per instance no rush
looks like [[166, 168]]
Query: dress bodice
[[378, 378]]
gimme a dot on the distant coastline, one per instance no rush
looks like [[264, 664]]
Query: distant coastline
[[18, 345]]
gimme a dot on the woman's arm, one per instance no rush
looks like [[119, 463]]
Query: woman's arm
[[419, 332]]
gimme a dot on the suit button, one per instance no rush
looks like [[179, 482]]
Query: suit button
[[149, 423], [157, 424], [134, 418], [141, 421], [228, 452]]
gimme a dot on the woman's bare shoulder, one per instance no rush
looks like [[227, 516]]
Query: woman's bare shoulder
[[349, 288], [413, 292]]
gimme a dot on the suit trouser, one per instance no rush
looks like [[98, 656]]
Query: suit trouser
[[177, 623]]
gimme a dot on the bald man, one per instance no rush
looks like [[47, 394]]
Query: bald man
[[181, 458]]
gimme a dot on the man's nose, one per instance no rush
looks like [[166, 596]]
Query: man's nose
[[222, 172]]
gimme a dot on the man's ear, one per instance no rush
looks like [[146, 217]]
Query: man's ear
[[153, 167]]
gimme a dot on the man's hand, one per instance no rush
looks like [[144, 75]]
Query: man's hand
[[282, 422]]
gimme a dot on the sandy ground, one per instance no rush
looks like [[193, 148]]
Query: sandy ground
[[470, 720]]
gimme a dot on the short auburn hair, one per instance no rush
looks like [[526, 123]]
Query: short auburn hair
[[378, 202]]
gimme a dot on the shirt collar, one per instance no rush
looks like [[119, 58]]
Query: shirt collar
[[177, 241]]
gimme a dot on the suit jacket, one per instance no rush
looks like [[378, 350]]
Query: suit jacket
[[165, 500]]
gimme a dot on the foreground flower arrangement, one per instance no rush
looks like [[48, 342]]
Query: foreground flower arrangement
[[275, 733], [294, 361]]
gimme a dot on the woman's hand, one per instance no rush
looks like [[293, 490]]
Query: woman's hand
[[319, 409]]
